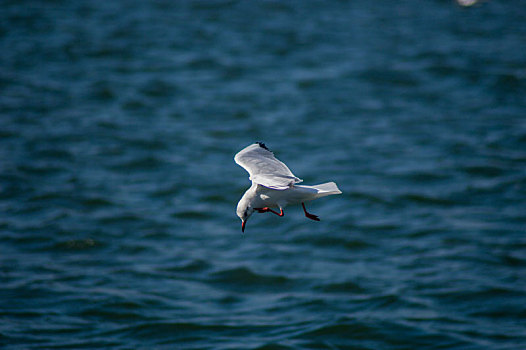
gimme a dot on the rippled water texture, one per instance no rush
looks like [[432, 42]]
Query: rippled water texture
[[118, 124]]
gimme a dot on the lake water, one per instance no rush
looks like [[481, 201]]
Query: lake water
[[119, 121]]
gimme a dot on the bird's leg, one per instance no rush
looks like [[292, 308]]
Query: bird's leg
[[309, 215], [264, 210]]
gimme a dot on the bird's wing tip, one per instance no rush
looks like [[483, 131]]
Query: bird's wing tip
[[262, 145]]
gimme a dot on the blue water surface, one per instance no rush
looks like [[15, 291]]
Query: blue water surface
[[119, 121]]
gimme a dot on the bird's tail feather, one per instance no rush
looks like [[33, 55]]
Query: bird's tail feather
[[327, 188], [321, 190]]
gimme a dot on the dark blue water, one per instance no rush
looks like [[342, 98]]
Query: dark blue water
[[118, 124]]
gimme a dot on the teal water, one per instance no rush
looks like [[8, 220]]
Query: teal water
[[119, 121]]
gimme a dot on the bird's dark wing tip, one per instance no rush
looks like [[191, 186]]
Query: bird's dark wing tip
[[262, 145]]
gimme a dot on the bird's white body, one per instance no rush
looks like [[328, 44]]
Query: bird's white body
[[258, 196], [273, 184]]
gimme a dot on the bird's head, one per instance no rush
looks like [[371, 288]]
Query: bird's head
[[244, 210]]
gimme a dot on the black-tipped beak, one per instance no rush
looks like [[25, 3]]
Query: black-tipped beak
[[243, 226]]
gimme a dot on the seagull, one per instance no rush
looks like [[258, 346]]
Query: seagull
[[274, 185]]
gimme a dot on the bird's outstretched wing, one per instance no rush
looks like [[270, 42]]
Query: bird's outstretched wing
[[265, 169]]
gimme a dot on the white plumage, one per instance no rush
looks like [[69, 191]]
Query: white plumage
[[274, 185]]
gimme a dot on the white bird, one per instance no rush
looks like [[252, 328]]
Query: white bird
[[274, 185]]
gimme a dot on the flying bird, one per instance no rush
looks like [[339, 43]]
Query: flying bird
[[274, 185]]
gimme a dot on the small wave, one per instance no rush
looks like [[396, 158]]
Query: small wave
[[376, 334], [55, 154], [485, 293], [120, 218], [158, 88], [274, 346], [389, 77], [328, 241], [96, 202], [342, 287], [484, 170], [191, 331], [339, 331], [216, 198], [111, 314], [166, 191], [145, 163], [41, 169], [142, 143], [192, 214], [378, 227], [513, 260], [197, 265], [77, 244], [420, 176], [244, 278], [425, 199], [370, 197]]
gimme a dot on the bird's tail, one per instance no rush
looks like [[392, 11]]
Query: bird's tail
[[321, 190], [304, 193], [327, 189]]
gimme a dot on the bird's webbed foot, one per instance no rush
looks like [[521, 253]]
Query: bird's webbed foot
[[309, 215]]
